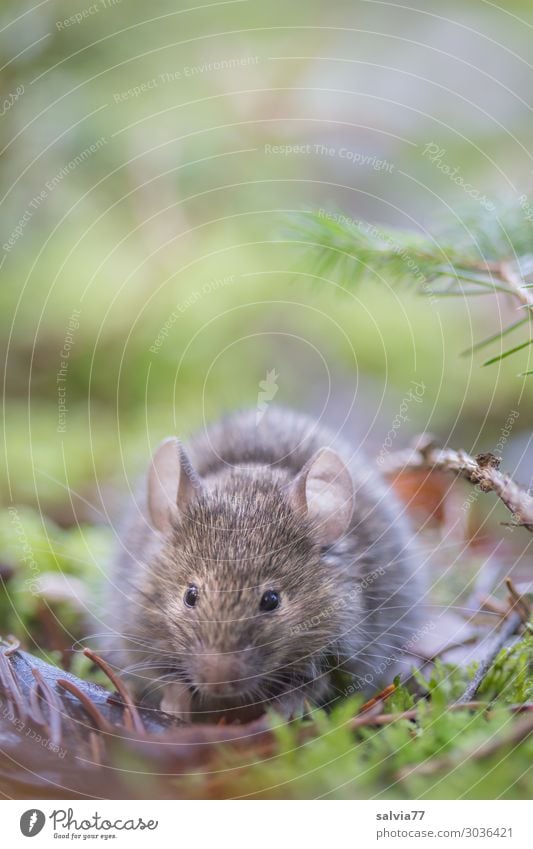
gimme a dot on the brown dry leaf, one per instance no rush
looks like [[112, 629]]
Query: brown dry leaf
[[424, 493]]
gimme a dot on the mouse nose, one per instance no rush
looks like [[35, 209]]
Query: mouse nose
[[220, 673]]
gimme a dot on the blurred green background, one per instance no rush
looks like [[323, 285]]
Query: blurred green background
[[149, 170]]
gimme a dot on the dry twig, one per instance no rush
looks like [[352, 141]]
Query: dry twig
[[483, 471], [517, 615]]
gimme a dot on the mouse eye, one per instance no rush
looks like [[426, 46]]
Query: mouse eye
[[191, 596], [269, 601]]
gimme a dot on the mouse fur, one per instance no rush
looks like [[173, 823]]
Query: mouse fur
[[253, 505]]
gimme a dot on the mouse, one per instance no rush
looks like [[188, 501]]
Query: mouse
[[262, 563]]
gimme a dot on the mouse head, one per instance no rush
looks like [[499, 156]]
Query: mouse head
[[250, 592]]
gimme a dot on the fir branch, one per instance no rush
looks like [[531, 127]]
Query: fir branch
[[495, 336], [484, 253]]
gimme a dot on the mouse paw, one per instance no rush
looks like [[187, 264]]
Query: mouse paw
[[292, 706], [177, 701]]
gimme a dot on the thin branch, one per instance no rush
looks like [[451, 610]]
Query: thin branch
[[509, 628], [413, 714], [481, 470], [515, 282], [130, 708], [517, 614], [96, 715]]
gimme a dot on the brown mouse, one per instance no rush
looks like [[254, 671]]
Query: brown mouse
[[264, 558]]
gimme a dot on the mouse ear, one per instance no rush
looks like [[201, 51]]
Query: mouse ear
[[172, 483], [323, 491]]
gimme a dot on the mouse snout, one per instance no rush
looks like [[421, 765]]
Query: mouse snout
[[220, 674]]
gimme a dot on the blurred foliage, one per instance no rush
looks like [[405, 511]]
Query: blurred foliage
[[51, 579], [181, 196]]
